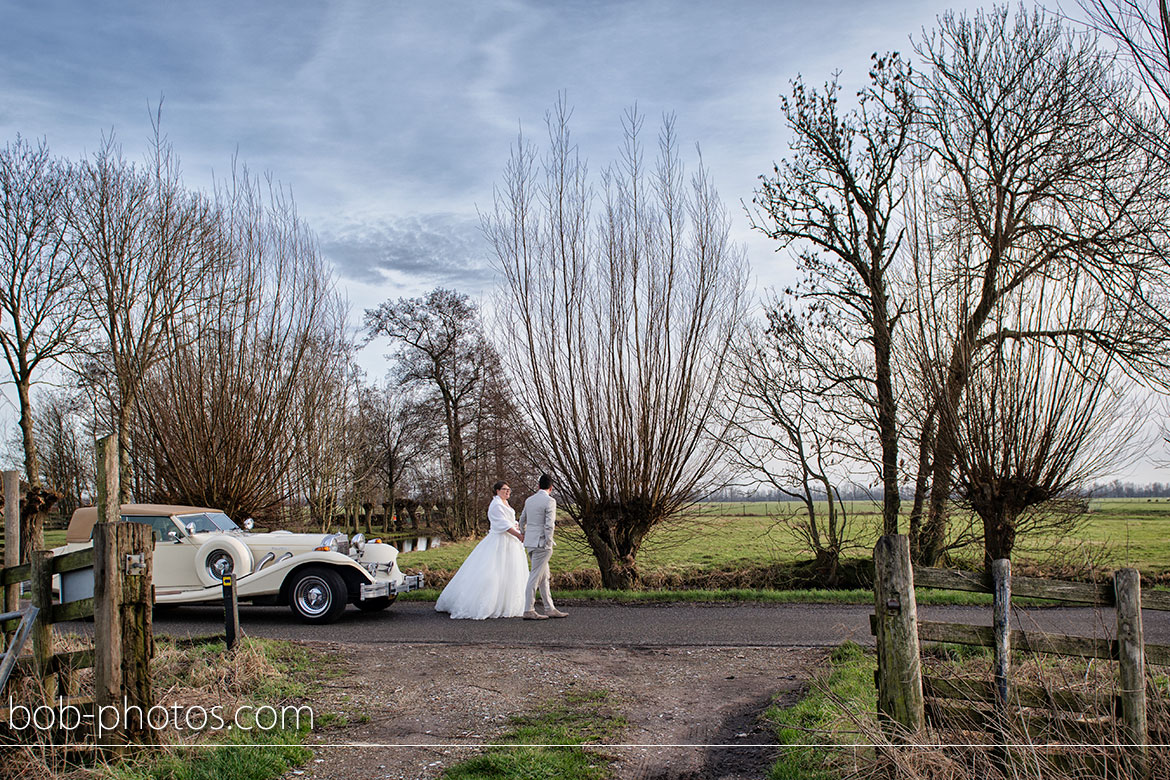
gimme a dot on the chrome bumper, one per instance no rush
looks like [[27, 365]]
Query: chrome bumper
[[385, 588], [412, 582], [376, 590]]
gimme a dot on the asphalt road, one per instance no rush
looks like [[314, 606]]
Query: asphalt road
[[610, 625]]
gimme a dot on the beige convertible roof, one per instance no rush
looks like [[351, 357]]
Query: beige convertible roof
[[83, 520]]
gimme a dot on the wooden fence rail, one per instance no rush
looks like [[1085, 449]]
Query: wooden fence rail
[[1088, 593], [902, 687]]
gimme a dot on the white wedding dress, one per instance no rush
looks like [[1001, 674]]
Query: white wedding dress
[[491, 581]]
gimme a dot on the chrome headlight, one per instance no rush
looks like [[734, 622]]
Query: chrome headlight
[[329, 543], [357, 542]]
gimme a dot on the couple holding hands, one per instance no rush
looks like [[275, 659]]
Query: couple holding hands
[[494, 581]]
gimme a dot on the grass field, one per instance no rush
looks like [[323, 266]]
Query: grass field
[[1117, 532]]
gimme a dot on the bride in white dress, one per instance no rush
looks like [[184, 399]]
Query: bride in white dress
[[491, 581]]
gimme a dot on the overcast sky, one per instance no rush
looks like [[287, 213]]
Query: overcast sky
[[391, 121]]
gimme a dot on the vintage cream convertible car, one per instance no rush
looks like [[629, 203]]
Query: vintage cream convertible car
[[315, 575]]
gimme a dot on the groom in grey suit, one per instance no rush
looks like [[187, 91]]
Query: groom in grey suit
[[537, 521]]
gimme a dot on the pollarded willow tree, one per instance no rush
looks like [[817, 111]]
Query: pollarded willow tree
[[1032, 173], [618, 314], [1037, 424], [143, 244]]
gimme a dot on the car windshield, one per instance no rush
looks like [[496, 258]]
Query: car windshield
[[209, 521]]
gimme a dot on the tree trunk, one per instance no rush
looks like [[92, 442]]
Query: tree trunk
[[920, 484], [615, 538], [124, 496], [32, 466], [999, 535], [932, 539], [886, 411]]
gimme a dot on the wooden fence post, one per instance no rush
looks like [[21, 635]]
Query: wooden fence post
[[1001, 606], [123, 633], [1001, 619], [1127, 586], [107, 662], [109, 507], [11, 534], [123, 636], [42, 631], [899, 666]]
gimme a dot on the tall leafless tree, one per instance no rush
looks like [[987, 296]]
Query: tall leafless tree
[[220, 418], [143, 244], [439, 340], [38, 295], [1030, 179], [38, 300], [835, 200], [617, 325]]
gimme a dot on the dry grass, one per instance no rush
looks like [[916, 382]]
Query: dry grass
[[1058, 739], [186, 673]]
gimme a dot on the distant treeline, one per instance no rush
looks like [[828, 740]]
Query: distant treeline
[[1114, 489]]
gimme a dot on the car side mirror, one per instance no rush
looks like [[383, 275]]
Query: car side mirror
[[249, 524], [190, 528], [173, 536]]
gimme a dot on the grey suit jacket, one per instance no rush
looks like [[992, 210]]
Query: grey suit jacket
[[538, 519]]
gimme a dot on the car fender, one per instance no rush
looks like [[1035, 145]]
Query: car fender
[[353, 574]]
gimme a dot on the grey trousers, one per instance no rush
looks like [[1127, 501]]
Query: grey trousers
[[538, 575]]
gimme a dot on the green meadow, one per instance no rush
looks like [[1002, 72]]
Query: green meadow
[[727, 536]]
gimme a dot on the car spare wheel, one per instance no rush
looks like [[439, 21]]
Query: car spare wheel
[[317, 594], [222, 555]]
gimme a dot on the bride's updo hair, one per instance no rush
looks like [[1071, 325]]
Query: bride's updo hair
[[496, 487]]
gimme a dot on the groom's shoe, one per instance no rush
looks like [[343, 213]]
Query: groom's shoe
[[554, 613], [532, 614]]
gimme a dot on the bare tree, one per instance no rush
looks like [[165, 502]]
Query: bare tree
[[395, 436], [1142, 30], [220, 414], [64, 452], [1037, 424], [440, 342], [617, 326], [791, 437], [143, 244], [38, 296], [1030, 179], [836, 200]]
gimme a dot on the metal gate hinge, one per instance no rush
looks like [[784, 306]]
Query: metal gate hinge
[[135, 563]]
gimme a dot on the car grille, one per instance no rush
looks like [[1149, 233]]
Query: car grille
[[343, 546]]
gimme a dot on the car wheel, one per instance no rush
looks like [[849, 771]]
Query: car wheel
[[373, 605], [317, 595]]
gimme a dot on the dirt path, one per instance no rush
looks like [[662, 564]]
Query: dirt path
[[446, 700]]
